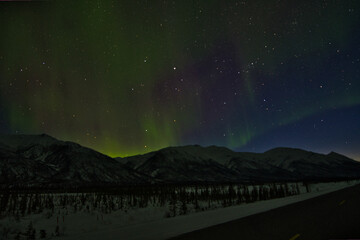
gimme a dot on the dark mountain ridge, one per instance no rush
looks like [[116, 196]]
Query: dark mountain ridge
[[41, 160], [28, 160], [278, 164]]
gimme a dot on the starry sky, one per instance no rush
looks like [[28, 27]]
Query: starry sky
[[129, 77]]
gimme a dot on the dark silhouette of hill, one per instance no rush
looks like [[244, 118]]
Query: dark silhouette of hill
[[41, 160]]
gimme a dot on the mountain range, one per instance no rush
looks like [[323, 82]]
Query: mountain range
[[41, 160], [32, 160]]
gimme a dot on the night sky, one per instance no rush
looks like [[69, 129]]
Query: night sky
[[129, 77]]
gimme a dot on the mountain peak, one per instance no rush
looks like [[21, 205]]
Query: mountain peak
[[338, 156], [44, 135], [334, 154]]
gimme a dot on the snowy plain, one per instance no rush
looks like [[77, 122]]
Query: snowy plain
[[147, 223], [142, 227]]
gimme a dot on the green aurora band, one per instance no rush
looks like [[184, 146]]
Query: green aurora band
[[130, 77]]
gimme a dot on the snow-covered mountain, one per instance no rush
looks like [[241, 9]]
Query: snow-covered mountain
[[304, 164], [196, 163], [36, 160], [185, 164], [28, 160]]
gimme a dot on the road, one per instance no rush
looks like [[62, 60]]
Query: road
[[334, 215]]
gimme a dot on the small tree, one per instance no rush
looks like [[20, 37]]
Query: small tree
[[4, 201], [30, 232], [308, 189], [23, 204], [57, 231], [172, 205], [297, 188], [183, 207]]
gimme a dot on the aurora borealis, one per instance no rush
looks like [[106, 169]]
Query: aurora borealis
[[129, 77]]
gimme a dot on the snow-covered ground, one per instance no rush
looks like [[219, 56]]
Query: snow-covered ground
[[171, 227], [151, 223]]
